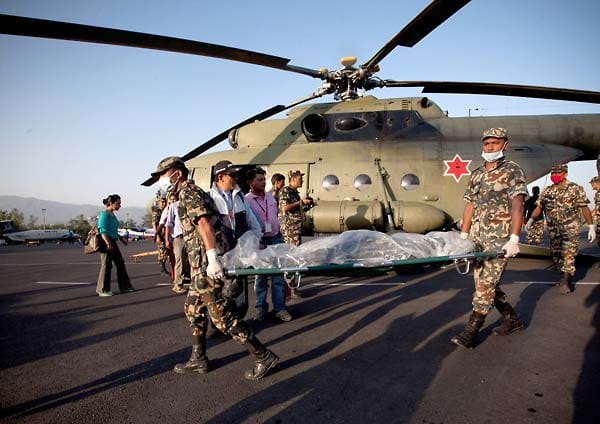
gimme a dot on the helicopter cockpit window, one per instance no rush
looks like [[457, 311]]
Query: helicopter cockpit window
[[362, 182], [331, 182], [349, 124], [410, 182]]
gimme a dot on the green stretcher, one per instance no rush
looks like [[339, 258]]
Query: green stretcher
[[290, 272]]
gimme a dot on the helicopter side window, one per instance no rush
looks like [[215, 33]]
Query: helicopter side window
[[410, 182], [331, 182], [362, 182]]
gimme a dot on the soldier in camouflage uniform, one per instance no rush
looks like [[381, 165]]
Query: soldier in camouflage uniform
[[536, 230], [492, 218], [595, 182], [205, 240], [159, 236], [291, 209], [291, 215], [561, 203]]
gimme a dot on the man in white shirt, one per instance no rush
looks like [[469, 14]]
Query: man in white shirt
[[237, 218], [174, 241]]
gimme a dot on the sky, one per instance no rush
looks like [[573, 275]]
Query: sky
[[79, 121]]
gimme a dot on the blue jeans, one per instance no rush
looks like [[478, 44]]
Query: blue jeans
[[261, 286]]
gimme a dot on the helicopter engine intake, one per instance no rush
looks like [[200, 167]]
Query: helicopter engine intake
[[315, 127]]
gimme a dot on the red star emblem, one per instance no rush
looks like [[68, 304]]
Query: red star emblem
[[457, 167]]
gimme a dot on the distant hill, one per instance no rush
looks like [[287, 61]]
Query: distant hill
[[61, 213]]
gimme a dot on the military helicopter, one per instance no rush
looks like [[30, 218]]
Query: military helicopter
[[371, 163]]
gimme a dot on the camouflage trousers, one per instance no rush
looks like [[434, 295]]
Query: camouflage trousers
[[291, 232], [564, 240], [162, 254], [487, 276], [487, 273], [535, 233], [205, 301]]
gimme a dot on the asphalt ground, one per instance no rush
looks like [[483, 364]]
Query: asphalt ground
[[360, 349]]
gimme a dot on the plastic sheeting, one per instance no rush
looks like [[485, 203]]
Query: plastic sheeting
[[364, 246]]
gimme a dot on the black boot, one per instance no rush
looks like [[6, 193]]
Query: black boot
[[198, 361], [467, 337], [564, 286], [264, 359], [510, 322]]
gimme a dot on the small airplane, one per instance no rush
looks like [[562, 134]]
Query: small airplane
[[31, 237], [137, 233]]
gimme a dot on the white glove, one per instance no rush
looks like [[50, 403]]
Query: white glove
[[214, 269], [592, 233], [511, 248], [528, 225], [464, 236]]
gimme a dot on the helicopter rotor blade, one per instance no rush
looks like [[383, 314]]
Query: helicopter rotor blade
[[513, 90], [223, 135], [220, 137], [425, 22], [42, 28], [258, 117]]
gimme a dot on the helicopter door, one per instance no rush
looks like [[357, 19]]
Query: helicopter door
[[275, 168], [284, 169]]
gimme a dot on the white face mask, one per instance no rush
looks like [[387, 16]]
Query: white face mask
[[164, 184], [492, 157]]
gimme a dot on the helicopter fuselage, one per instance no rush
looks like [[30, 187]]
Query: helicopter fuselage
[[394, 163]]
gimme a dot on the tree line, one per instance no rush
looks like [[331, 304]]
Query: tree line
[[80, 224]]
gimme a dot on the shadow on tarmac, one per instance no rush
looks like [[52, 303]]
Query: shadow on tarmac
[[141, 371], [401, 361], [587, 391], [55, 333], [395, 382]]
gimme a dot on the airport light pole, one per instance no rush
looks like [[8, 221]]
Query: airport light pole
[[44, 215]]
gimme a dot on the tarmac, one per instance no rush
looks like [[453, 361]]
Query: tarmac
[[360, 349]]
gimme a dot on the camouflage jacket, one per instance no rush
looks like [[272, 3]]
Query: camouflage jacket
[[156, 212], [287, 196], [491, 192], [596, 207], [561, 203], [195, 203]]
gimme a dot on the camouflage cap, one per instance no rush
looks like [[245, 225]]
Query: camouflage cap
[[596, 179], [560, 168], [495, 133], [168, 163]]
